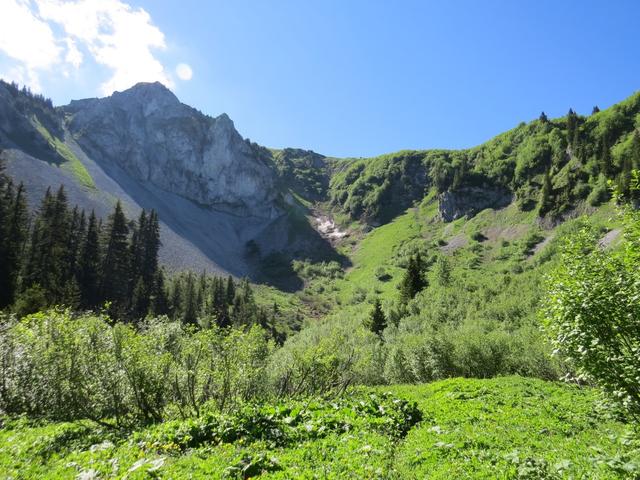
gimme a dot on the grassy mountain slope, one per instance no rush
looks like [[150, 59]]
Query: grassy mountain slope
[[579, 153], [478, 316], [503, 428]]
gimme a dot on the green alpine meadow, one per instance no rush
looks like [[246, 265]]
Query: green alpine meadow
[[179, 301]]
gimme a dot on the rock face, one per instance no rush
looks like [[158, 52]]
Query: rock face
[[153, 137], [468, 201]]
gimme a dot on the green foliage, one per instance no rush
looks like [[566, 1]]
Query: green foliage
[[13, 234], [377, 320], [304, 171], [71, 163], [593, 311], [514, 428], [574, 150], [59, 366], [501, 428], [378, 189], [413, 280], [287, 424]]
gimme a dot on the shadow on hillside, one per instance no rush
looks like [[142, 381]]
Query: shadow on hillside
[[276, 268], [230, 243]]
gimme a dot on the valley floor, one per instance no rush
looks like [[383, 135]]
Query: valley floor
[[509, 427]]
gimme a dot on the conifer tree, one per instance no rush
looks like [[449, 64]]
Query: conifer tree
[[543, 118], [595, 110], [139, 300], [413, 280], [230, 290], [442, 271], [116, 264], [47, 255], [77, 226], [376, 322], [151, 241], [175, 299], [220, 304], [13, 234], [605, 157], [545, 203], [572, 126], [158, 303], [89, 264], [189, 301], [136, 247]]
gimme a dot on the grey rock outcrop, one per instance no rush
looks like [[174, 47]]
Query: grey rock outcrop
[[153, 137], [468, 201]]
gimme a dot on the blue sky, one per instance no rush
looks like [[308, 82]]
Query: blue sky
[[344, 78]]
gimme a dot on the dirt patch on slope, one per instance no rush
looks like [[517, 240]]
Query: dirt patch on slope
[[455, 243]]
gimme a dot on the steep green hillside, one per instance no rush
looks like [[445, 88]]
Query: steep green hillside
[[477, 316], [546, 164], [503, 428]]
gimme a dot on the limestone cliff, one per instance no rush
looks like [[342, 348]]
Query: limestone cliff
[[148, 133]]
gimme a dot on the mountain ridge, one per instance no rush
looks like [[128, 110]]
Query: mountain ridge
[[242, 206]]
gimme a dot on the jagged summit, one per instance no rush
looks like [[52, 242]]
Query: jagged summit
[[146, 131], [214, 191]]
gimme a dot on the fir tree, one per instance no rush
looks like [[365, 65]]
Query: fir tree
[[376, 322], [605, 157], [151, 242], [13, 234], [572, 127], [89, 264], [220, 303], [543, 118], [442, 271], [47, 256], [189, 301], [413, 280], [139, 300], [158, 303], [545, 202], [230, 290], [595, 110], [116, 265]]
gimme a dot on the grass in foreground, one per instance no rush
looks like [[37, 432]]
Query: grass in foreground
[[502, 428]]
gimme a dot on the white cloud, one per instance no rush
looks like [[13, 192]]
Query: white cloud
[[27, 39], [73, 56], [113, 33], [184, 71]]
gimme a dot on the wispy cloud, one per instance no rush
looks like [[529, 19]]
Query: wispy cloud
[[57, 36]]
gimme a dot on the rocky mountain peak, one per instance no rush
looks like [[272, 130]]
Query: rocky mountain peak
[[148, 133], [149, 94]]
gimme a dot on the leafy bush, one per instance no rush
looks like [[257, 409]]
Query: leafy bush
[[593, 311], [67, 367], [286, 424]]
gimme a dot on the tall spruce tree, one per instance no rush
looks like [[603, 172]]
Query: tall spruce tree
[[572, 127], [376, 322], [13, 234], [158, 303], [46, 264], [116, 265], [413, 280], [151, 241], [89, 265], [190, 300], [545, 203]]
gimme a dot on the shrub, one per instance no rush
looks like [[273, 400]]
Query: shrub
[[67, 367], [593, 311]]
